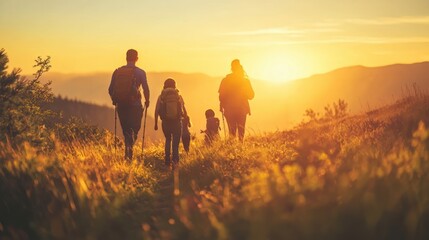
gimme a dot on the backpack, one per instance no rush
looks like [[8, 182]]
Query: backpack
[[125, 86], [235, 93], [171, 106], [213, 125]]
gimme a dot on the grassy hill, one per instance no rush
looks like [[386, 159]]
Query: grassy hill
[[363, 176]]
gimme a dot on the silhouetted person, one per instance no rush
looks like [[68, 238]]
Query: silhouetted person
[[186, 134], [125, 93], [235, 91], [212, 127], [171, 108]]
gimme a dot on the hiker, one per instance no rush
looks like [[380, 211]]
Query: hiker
[[234, 92], [170, 107], [212, 127], [124, 90], [186, 134]]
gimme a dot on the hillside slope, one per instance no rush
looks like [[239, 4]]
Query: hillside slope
[[356, 177]]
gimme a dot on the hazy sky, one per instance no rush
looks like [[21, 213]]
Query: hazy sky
[[275, 39]]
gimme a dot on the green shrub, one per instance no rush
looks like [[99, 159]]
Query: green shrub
[[21, 117]]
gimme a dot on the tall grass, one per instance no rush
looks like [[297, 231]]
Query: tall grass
[[357, 177], [76, 191]]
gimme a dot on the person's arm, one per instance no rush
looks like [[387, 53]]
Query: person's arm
[[189, 121], [158, 103], [112, 82], [146, 91], [249, 90], [221, 92], [185, 113]]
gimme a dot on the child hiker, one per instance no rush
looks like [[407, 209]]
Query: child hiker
[[212, 127], [170, 107]]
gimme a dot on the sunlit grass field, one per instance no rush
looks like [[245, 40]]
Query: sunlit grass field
[[355, 177]]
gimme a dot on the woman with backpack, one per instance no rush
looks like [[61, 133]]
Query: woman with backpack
[[170, 107], [235, 91]]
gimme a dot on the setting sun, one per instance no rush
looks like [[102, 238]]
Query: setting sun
[[274, 71], [277, 68]]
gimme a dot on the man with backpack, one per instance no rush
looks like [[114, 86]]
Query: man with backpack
[[124, 91], [170, 107], [235, 91]]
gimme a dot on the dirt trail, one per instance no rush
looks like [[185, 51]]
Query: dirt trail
[[163, 214]]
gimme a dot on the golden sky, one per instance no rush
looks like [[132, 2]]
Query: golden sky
[[275, 39]]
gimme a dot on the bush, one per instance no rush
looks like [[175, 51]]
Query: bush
[[336, 111], [21, 117]]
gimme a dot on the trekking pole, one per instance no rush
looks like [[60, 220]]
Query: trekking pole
[[144, 129], [223, 120], [116, 117]]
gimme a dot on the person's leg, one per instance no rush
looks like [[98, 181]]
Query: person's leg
[[207, 139], [130, 152], [129, 142], [167, 134], [136, 113], [241, 125], [167, 149], [176, 130], [232, 125], [124, 120]]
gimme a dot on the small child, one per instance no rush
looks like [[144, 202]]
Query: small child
[[186, 134], [212, 127]]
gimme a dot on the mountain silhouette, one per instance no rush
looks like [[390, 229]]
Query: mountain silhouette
[[362, 87], [275, 106]]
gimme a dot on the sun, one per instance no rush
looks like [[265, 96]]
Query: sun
[[275, 72], [277, 68]]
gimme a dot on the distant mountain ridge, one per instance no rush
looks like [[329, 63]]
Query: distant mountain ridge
[[376, 85], [275, 106]]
